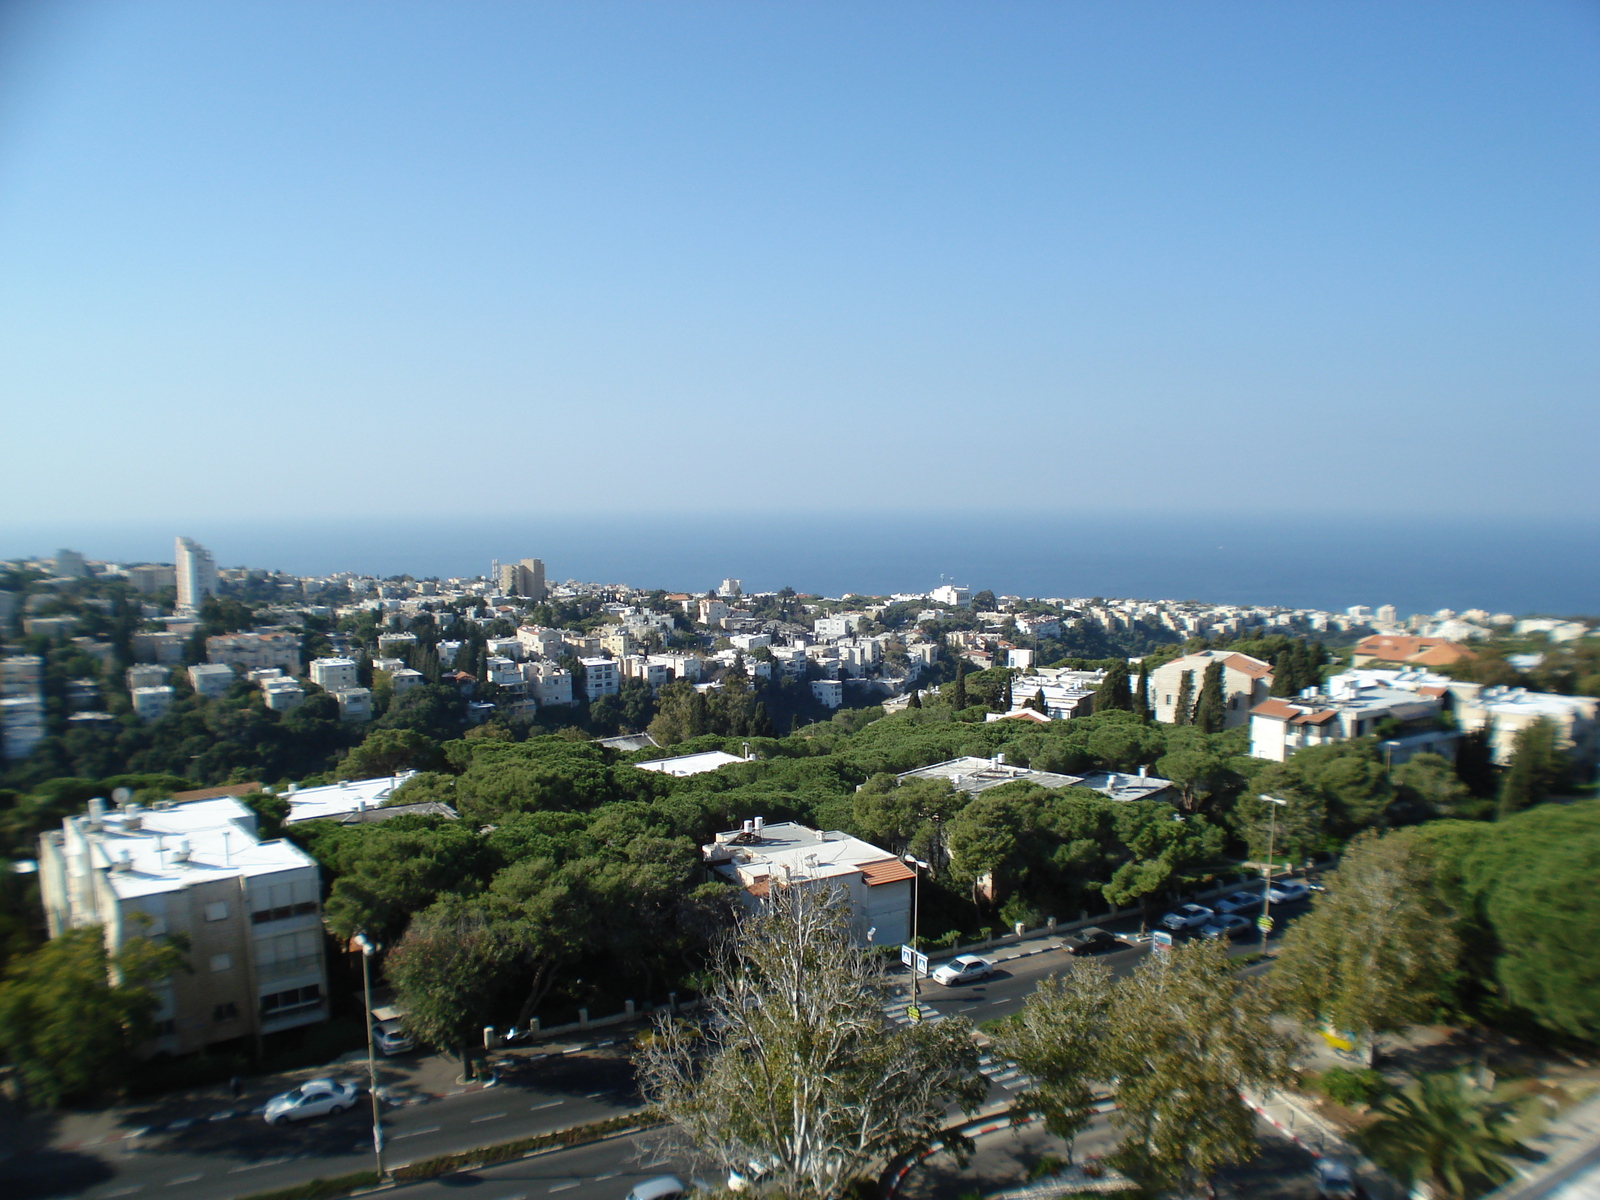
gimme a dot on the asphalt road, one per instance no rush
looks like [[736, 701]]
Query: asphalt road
[[223, 1159], [220, 1160]]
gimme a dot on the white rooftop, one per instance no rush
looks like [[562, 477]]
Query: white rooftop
[[690, 764], [799, 851], [218, 835], [338, 799], [973, 775]]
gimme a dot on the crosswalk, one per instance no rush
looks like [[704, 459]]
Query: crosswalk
[[1002, 1074]]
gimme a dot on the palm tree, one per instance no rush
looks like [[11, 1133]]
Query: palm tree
[[1452, 1133]]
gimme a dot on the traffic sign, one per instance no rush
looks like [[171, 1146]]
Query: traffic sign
[[1160, 940], [1264, 924], [914, 959]]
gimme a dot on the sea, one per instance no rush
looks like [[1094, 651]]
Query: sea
[[1417, 565]]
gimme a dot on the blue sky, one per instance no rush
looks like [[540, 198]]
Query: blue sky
[[310, 259]]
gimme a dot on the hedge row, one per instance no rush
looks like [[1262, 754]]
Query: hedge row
[[445, 1164]]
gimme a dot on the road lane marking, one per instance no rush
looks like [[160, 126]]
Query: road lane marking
[[414, 1133], [490, 1117], [182, 1179], [123, 1191], [561, 1187], [595, 1095], [550, 1104], [266, 1162], [607, 1175]]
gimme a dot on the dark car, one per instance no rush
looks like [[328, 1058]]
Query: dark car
[[1092, 940]]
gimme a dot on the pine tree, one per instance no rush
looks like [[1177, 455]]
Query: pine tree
[[1006, 698], [958, 695], [1141, 699], [1315, 657], [1037, 703], [1183, 711], [916, 699], [1113, 691], [760, 723], [1210, 710], [1475, 761], [1285, 673], [1534, 770]]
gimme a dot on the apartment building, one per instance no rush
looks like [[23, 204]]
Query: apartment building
[[355, 703], [331, 674], [1246, 682], [152, 702], [249, 911], [211, 680], [195, 574], [250, 651], [21, 705], [1349, 706], [600, 677], [163, 646]]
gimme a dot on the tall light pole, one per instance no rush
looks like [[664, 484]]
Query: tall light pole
[[917, 868], [368, 949], [1266, 898]]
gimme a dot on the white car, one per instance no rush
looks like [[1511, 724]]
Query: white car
[[662, 1187], [1239, 902], [1287, 891], [1187, 916], [313, 1098], [389, 1033], [967, 968]]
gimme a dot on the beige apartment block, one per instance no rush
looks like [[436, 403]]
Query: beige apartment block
[[249, 910]]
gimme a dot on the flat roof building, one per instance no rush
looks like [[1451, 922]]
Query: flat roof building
[[759, 857], [249, 911]]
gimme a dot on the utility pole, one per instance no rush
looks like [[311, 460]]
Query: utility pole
[[917, 867], [1266, 896], [368, 949]]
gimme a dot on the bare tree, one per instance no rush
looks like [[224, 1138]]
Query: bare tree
[[794, 1067]]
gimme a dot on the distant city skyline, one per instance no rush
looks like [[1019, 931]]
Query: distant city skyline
[[311, 260]]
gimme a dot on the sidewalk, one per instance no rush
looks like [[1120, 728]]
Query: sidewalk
[[407, 1079]]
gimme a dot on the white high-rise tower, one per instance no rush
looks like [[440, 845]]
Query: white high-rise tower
[[197, 574]]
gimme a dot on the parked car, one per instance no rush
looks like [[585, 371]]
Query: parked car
[[389, 1033], [313, 1098], [1226, 925], [1336, 1179], [1092, 940], [966, 968], [1187, 916], [1239, 902], [753, 1172], [1287, 891], [662, 1187]]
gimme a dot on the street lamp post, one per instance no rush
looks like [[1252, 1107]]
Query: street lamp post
[[917, 868], [1266, 898], [368, 949]]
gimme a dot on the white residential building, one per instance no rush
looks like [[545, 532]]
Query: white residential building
[[1349, 706], [759, 857], [332, 674], [211, 680], [1509, 710], [22, 724], [404, 679], [146, 675], [196, 574], [690, 764], [249, 912], [355, 703], [282, 694], [828, 692], [600, 677], [956, 597], [151, 702], [159, 646], [552, 683]]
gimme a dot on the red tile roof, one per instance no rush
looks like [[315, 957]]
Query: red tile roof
[[1246, 665], [1281, 709], [1315, 718], [1424, 651], [886, 870]]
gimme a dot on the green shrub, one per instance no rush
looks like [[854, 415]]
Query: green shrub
[[1351, 1088]]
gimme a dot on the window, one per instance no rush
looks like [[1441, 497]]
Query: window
[[225, 1012], [217, 911], [222, 962], [301, 997], [1169, 697]]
